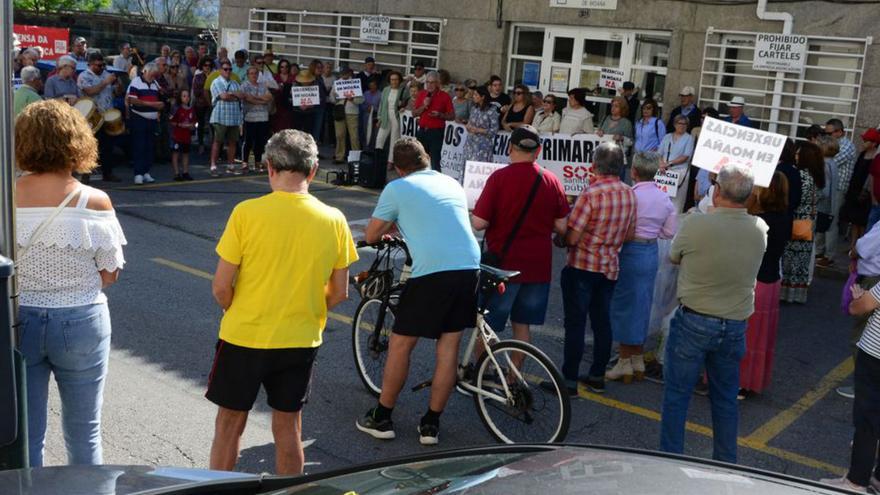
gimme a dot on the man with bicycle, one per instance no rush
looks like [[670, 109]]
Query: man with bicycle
[[440, 299], [520, 208]]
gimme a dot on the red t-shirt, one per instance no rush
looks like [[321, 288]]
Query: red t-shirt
[[183, 135], [501, 202], [440, 102]]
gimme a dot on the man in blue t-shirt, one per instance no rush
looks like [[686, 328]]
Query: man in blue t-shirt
[[440, 299]]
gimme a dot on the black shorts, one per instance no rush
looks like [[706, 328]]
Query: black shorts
[[238, 373], [180, 147], [438, 303]]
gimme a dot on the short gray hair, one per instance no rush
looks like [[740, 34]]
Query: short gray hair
[[65, 61], [150, 68], [292, 151], [433, 75], [33, 53], [645, 164], [735, 183], [30, 74], [608, 159], [681, 118]]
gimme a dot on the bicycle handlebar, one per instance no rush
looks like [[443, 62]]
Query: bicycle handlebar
[[390, 242]]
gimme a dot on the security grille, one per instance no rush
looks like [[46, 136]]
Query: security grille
[[301, 36], [829, 87]]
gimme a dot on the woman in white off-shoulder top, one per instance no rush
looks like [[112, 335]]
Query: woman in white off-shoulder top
[[65, 257]]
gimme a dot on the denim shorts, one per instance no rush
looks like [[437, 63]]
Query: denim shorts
[[523, 303]]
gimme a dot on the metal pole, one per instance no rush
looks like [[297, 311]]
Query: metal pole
[[7, 170]]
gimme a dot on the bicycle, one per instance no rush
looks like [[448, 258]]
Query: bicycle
[[518, 392]]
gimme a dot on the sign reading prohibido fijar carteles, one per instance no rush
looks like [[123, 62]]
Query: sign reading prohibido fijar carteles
[[723, 143], [780, 52], [375, 29]]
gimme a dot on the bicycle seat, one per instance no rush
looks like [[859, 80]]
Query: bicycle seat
[[498, 274]]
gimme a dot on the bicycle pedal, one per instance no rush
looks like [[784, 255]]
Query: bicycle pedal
[[422, 385]]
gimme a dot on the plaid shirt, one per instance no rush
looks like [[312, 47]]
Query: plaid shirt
[[845, 159], [226, 113], [604, 213]]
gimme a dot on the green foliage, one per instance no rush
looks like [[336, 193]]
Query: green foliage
[[55, 5]]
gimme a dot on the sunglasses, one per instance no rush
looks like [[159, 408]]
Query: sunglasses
[[549, 101], [226, 69], [459, 90], [472, 87]]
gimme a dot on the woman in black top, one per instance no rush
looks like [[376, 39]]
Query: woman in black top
[[771, 205], [520, 112]]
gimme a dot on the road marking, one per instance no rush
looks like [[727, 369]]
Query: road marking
[[753, 441], [771, 429]]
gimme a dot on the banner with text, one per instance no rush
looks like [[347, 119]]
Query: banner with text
[[53, 41], [475, 176], [722, 143], [780, 52], [348, 88], [668, 182], [611, 78], [408, 124], [301, 96], [375, 29]]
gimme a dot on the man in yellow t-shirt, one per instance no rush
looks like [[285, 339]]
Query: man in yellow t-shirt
[[284, 261]]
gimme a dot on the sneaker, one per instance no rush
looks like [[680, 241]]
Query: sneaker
[[138, 179], [744, 394], [149, 179], [428, 434], [824, 262], [654, 372], [848, 392], [702, 388], [383, 430], [178, 177], [186, 176], [844, 483], [597, 386], [215, 172], [232, 170]]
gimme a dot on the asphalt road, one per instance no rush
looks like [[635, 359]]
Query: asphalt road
[[165, 326]]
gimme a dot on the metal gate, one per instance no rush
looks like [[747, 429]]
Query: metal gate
[[301, 36], [829, 87]]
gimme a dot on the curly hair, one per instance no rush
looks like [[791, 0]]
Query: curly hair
[[52, 136]]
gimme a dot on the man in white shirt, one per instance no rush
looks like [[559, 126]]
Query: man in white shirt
[[123, 60]]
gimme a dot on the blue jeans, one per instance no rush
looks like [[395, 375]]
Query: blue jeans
[[523, 303], [873, 217], [143, 143], [74, 344], [586, 293], [719, 345], [634, 289]]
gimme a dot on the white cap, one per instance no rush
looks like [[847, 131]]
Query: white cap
[[737, 101], [687, 91]]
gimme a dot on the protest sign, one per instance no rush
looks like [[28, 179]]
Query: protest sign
[[722, 143], [780, 52], [348, 88], [475, 176], [408, 124], [668, 182], [611, 78], [375, 28], [301, 96], [53, 41], [452, 154]]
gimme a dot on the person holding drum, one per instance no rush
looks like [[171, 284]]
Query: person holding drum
[[63, 85], [97, 84]]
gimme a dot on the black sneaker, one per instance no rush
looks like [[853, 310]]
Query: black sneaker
[[594, 385], [428, 434], [186, 176], [383, 430], [654, 372], [569, 389], [178, 178]]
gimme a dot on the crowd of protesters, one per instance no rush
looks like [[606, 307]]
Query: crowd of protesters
[[629, 245]]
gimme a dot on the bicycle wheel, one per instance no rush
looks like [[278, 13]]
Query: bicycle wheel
[[371, 349], [532, 413]]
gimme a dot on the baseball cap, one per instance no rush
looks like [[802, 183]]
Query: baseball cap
[[687, 91], [369, 60], [525, 137], [629, 85], [872, 135], [78, 40], [737, 101]]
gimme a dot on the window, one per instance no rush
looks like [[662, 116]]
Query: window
[[526, 56]]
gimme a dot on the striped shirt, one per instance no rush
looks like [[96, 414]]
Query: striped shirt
[[846, 162], [144, 91], [870, 341], [604, 213], [225, 112]]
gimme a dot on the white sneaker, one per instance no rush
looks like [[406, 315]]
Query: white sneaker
[[844, 483], [138, 179], [149, 179]]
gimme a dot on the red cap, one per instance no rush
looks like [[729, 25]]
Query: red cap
[[871, 135]]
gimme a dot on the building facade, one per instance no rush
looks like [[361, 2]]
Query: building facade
[[659, 45]]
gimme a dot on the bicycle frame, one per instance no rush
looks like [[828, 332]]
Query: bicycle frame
[[487, 338]]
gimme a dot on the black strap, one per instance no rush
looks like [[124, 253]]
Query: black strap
[[522, 214]]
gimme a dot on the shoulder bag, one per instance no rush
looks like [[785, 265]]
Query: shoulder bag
[[495, 259]]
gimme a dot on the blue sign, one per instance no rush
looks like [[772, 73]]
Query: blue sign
[[531, 74]]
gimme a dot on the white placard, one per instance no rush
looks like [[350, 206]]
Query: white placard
[[301, 96], [234, 39], [348, 88], [611, 78], [585, 4], [668, 182], [722, 143], [780, 52], [475, 176], [375, 28], [408, 124], [559, 79]]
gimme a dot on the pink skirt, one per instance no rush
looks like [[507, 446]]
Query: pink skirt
[[757, 365]]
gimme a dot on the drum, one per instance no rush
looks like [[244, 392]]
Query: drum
[[113, 123], [86, 106]]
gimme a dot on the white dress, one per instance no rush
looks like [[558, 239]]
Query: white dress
[[393, 129]]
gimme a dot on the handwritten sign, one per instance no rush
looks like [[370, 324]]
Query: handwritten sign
[[375, 28], [348, 88], [668, 182], [475, 176], [723, 143], [611, 78], [301, 96], [780, 52]]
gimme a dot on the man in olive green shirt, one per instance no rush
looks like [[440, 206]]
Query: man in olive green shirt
[[720, 254], [29, 91]]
